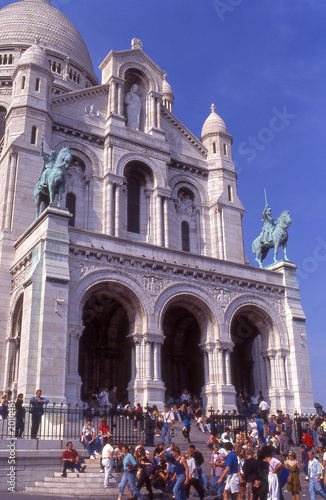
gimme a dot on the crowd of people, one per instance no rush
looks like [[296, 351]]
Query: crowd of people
[[253, 463]]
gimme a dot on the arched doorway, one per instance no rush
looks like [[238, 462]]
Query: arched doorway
[[182, 358], [250, 329], [104, 349]]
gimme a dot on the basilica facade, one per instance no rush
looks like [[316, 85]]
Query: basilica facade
[[139, 280]]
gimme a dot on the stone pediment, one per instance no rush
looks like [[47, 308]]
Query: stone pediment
[[180, 139], [88, 106]]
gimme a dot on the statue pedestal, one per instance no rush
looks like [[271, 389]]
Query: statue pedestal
[[45, 288]]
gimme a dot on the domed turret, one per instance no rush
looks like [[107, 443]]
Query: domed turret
[[34, 55], [168, 96], [213, 124]]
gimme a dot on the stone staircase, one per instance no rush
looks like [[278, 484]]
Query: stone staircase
[[90, 483]]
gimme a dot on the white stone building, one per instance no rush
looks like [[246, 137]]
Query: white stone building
[[146, 285]]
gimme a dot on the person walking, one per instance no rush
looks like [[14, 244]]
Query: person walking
[[181, 475], [168, 420], [293, 482], [129, 473], [315, 475]]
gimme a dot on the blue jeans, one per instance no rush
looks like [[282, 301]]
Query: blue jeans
[[179, 490], [261, 434], [95, 444], [219, 487], [129, 477], [315, 487], [166, 431]]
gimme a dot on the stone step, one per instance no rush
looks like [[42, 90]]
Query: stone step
[[86, 478], [67, 492]]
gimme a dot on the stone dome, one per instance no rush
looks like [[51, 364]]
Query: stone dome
[[166, 88], [24, 21], [36, 55], [213, 124]]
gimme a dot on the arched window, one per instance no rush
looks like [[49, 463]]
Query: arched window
[[37, 85], [3, 113], [133, 210], [185, 240], [23, 82], [59, 68], [71, 206], [11, 59]]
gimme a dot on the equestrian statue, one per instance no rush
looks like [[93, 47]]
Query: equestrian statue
[[274, 235], [52, 180]]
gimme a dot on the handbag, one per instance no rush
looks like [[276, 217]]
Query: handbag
[[172, 433], [283, 476]]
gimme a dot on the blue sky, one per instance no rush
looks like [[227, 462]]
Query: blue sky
[[255, 60]]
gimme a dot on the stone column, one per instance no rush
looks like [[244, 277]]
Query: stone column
[[166, 222], [117, 209], [11, 189], [206, 370], [283, 382], [159, 217], [120, 100], [157, 359], [273, 382], [267, 371], [199, 235], [87, 179], [74, 334], [209, 351], [148, 208], [148, 360], [228, 366], [220, 235], [138, 359], [110, 211], [133, 363], [220, 366], [158, 113]]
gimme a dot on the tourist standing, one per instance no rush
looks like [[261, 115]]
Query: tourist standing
[[20, 416], [37, 410], [293, 482]]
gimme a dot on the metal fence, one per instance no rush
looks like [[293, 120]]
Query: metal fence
[[66, 422]]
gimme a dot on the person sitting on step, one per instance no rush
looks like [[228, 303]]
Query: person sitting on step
[[71, 460]]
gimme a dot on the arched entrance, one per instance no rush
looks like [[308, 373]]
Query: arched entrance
[[104, 349], [249, 333], [182, 358]]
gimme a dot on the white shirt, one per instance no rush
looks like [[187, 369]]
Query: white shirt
[[168, 417], [264, 406], [107, 451], [314, 468], [192, 465]]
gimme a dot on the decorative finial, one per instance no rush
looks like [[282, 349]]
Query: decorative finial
[[136, 44], [37, 40], [213, 108], [164, 77]]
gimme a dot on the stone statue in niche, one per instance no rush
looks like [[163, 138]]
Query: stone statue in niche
[[133, 104], [185, 203]]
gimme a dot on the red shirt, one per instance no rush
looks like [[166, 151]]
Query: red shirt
[[104, 428], [307, 440], [68, 455]]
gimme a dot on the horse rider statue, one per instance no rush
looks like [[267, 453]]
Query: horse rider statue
[[268, 227], [48, 164]]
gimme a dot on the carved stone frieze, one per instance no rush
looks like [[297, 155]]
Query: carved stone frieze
[[278, 305], [139, 149], [153, 283], [223, 296]]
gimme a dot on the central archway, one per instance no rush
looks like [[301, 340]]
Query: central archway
[[104, 350], [182, 358], [250, 333]]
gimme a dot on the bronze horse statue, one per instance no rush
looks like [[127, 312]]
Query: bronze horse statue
[[55, 181], [279, 238]]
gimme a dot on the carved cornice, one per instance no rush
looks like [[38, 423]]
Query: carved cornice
[[78, 95], [20, 270], [73, 133], [199, 172]]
